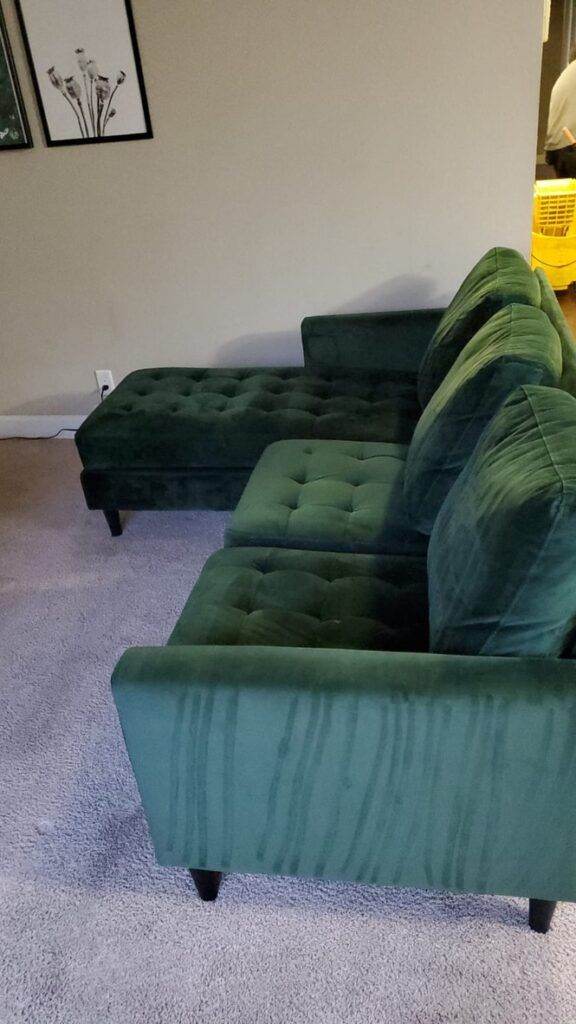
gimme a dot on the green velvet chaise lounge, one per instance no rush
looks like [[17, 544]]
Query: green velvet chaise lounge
[[333, 704], [179, 437]]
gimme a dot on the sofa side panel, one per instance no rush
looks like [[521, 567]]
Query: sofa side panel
[[394, 769], [380, 342]]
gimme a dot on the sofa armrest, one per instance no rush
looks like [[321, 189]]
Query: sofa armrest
[[396, 769], [392, 342]]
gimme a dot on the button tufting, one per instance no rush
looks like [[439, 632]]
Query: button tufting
[[286, 402]]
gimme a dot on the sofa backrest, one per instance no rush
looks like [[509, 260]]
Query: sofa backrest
[[502, 555], [550, 305], [518, 345], [500, 277]]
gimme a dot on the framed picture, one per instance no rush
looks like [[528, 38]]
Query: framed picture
[[14, 127], [86, 70]]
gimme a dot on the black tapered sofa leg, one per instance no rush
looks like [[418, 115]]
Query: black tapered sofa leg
[[207, 883], [113, 520], [540, 915]]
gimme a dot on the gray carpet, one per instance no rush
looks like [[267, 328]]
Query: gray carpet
[[91, 930]]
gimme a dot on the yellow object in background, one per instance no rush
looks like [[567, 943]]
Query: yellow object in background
[[554, 230]]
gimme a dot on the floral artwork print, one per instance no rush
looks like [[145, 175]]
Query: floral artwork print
[[81, 100], [90, 95]]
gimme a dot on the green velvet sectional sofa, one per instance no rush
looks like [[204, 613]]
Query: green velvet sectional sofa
[[175, 438], [374, 679]]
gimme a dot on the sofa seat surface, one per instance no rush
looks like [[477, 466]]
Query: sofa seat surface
[[276, 597], [175, 418], [327, 495]]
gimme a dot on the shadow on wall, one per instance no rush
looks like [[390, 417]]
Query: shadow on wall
[[407, 291], [276, 348], [283, 348], [69, 403]]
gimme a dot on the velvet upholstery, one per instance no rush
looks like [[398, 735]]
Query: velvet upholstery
[[391, 768], [314, 599], [549, 304], [217, 488], [331, 495], [387, 343], [188, 438], [518, 345], [178, 418], [296, 722], [500, 277], [502, 558]]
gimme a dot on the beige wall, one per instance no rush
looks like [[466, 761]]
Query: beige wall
[[309, 156]]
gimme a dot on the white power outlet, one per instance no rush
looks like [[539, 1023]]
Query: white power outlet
[[105, 382]]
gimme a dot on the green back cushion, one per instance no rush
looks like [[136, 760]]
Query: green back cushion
[[502, 276], [502, 556], [550, 305], [518, 345]]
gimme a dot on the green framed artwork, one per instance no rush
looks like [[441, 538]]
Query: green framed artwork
[[14, 128]]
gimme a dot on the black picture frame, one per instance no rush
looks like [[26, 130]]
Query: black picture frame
[[130, 137], [27, 142]]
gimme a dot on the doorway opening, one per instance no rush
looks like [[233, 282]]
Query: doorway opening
[[554, 212], [559, 40]]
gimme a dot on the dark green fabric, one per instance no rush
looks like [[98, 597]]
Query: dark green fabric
[[176, 418], [518, 345], [502, 558], [327, 495], [307, 599], [551, 306], [500, 277], [390, 343], [396, 769], [200, 487]]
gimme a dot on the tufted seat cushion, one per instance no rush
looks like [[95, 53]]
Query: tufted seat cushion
[[330, 495], [176, 418], [288, 598]]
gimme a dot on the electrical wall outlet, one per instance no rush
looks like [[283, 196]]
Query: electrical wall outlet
[[105, 382]]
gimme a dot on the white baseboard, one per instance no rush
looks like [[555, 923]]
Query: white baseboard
[[39, 426]]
